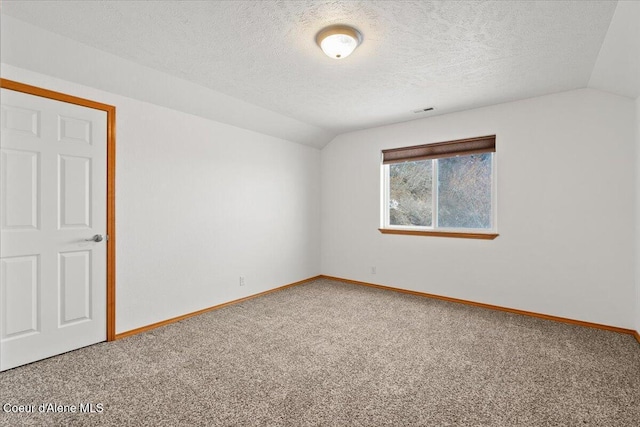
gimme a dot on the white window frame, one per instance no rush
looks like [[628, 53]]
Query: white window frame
[[386, 227]]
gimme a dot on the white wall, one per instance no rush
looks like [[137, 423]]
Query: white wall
[[565, 210], [200, 203], [617, 70], [637, 215]]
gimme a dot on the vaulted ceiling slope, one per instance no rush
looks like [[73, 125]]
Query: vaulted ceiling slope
[[617, 69], [450, 55]]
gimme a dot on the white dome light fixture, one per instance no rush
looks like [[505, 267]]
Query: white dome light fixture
[[338, 41]]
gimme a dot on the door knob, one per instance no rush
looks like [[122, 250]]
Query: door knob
[[97, 238]]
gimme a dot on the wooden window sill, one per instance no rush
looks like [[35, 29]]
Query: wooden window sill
[[484, 236]]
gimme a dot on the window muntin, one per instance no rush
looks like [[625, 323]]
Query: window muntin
[[447, 188]]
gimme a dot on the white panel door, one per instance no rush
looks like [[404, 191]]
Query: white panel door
[[53, 195]]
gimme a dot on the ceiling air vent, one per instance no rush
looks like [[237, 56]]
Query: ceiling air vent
[[423, 110]]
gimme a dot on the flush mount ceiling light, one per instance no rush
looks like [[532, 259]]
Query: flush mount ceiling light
[[338, 41]]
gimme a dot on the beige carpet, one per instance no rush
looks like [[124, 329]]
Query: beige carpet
[[333, 354]]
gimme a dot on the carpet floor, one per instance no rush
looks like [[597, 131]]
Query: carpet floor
[[333, 354]]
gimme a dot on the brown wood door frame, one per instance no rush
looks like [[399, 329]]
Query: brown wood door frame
[[111, 181]]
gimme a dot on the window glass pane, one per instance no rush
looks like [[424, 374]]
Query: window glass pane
[[410, 185], [464, 191]]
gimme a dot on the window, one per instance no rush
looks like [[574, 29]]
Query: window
[[443, 189]]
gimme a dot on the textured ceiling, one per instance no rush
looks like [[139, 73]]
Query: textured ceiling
[[451, 55]]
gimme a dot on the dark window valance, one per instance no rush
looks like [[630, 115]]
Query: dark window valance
[[460, 147]]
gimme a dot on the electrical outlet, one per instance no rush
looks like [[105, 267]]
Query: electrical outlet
[[373, 270], [241, 280]]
